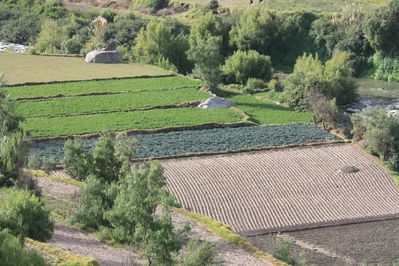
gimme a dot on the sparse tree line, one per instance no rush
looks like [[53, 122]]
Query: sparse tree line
[[209, 42]]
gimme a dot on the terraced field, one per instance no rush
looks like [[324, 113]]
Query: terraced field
[[89, 107], [287, 189], [215, 140]]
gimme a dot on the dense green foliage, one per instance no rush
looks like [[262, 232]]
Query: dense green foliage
[[13, 253], [380, 133], [12, 141], [101, 87], [199, 253], [24, 215], [207, 140], [386, 68], [243, 65], [77, 160], [310, 76]]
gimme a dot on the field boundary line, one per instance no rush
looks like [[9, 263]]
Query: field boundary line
[[83, 80], [225, 232]]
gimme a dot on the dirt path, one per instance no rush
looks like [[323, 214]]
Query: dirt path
[[78, 241]]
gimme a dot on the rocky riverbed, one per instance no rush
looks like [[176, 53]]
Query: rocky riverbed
[[19, 48]]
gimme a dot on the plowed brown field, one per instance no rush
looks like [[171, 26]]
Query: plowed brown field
[[286, 189]]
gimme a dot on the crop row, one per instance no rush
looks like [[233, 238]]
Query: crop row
[[208, 140], [107, 103], [136, 120], [100, 86]]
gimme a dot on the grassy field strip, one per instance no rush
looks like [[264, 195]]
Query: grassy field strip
[[123, 121], [265, 113], [23, 68], [104, 103], [58, 256], [100, 86]]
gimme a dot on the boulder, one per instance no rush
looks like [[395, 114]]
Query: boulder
[[348, 169], [216, 102], [107, 55]]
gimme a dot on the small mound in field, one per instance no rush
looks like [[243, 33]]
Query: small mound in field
[[348, 169]]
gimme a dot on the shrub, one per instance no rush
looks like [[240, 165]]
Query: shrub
[[275, 85], [255, 85], [243, 65], [198, 253], [49, 164], [282, 251], [12, 252], [24, 215], [92, 203], [50, 38], [386, 68], [34, 161], [77, 159]]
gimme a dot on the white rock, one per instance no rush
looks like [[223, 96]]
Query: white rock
[[216, 102]]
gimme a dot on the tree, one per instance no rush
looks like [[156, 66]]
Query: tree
[[50, 38], [12, 141], [13, 253], [159, 46], [322, 108], [205, 49], [255, 30], [106, 165], [133, 215], [379, 131], [77, 159], [382, 29], [24, 215], [243, 65]]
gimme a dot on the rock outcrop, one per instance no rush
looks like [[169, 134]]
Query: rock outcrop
[[107, 55]]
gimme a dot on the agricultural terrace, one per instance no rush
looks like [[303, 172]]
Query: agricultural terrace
[[287, 189], [166, 102], [20, 68], [216, 140]]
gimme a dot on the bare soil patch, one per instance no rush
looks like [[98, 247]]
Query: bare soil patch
[[284, 190], [369, 243]]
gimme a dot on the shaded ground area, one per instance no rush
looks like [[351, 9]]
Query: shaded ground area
[[285, 189], [371, 243]]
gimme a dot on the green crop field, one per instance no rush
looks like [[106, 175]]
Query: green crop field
[[101, 86], [121, 121], [265, 113], [108, 103], [20, 68]]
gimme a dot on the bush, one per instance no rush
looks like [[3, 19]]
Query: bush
[[18, 26], [49, 164], [282, 251], [77, 159], [386, 68], [24, 215], [12, 252], [243, 65], [50, 38], [275, 85], [199, 253], [255, 85], [92, 203], [34, 161]]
